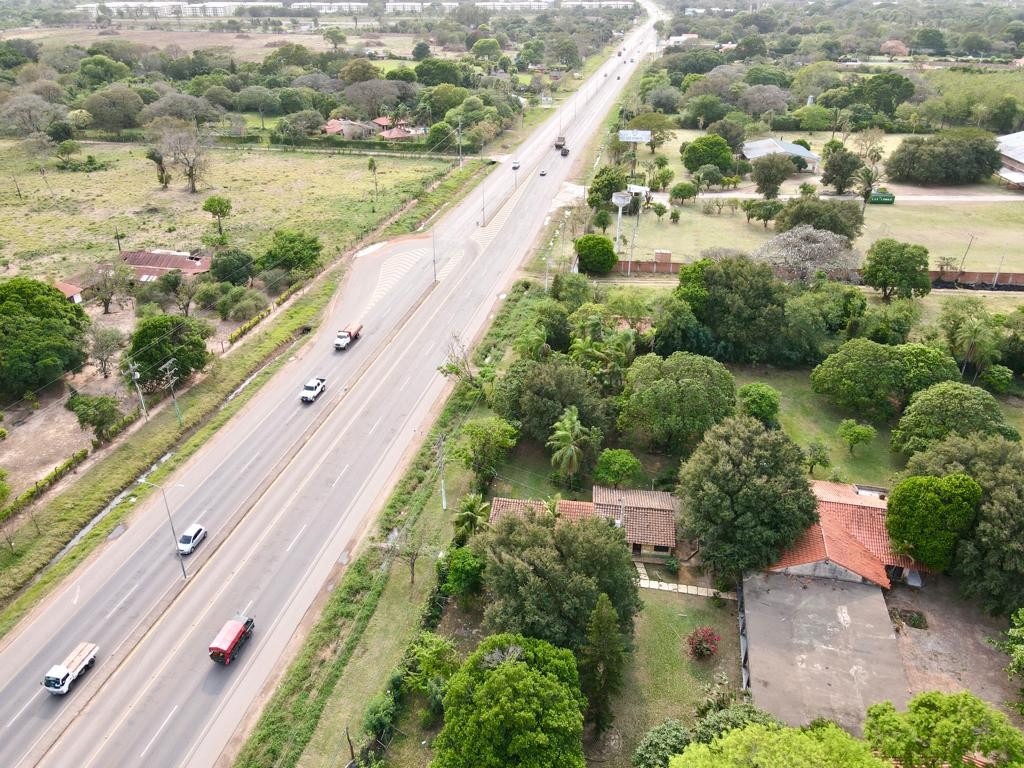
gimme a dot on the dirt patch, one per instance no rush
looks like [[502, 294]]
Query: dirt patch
[[953, 652]]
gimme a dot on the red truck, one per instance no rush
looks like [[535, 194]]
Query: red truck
[[229, 641]]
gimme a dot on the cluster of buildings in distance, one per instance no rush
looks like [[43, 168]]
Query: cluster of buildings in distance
[[155, 9]]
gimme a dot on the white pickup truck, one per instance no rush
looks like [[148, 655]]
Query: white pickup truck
[[313, 389], [60, 677], [347, 335]]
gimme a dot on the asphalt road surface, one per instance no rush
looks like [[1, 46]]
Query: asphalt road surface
[[285, 489]]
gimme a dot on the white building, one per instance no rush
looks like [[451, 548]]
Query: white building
[[400, 7], [597, 4], [689, 38], [326, 9], [515, 5], [169, 8]]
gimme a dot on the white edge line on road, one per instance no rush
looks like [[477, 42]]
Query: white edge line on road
[[289, 549], [245, 611], [375, 425], [407, 379], [121, 601], [340, 475], [22, 710], [162, 726], [199, 517], [78, 593]]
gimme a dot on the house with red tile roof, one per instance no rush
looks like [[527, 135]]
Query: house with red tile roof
[[398, 133], [647, 517], [348, 129], [849, 542], [71, 291]]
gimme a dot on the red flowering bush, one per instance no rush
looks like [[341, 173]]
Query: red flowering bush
[[703, 642]]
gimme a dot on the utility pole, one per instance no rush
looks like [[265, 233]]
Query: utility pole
[[433, 252], [169, 368], [458, 135], [133, 371], [439, 449], [969, 244], [170, 521], [117, 237]]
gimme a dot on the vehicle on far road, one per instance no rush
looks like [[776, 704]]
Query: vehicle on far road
[[559, 142], [543, 171], [313, 389], [60, 677], [190, 539], [515, 165], [565, 152], [347, 335], [232, 636]]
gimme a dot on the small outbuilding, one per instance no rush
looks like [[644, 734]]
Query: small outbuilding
[[752, 150], [71, 291], [1011, 150]]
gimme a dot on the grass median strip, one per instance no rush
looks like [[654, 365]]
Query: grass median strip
[[56, 522]]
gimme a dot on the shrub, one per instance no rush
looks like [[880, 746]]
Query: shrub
[[380, 715], [671, 564], [596, 254], [660, 743], [703, 642]]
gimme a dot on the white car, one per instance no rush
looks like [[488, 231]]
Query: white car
[[190, 539], [543, 171], [515, 165]]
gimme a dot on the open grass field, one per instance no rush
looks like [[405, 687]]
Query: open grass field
[[253, 45], [66, 221], [662, 680], [945, 229]]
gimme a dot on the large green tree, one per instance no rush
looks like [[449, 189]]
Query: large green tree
[[875, 380], [485, 443], [602, 663], [745, 495], [927, 516], [940, 729], [608, 180], [989, 561], [515, 701], [297, 252], [949, 407], [769, 172], [42, 335], [669, 404], [767, 746], [100, 412], [897, 269], [844, 217], [535, 394], [840, 167], [740, 302], [543, 577], [958, 156], [164, 339], [711, 149], [596, 254]]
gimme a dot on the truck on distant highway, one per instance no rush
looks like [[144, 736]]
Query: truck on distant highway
[[347, 335], [559, 142], [232, 636], [313, 389], [60, 677]]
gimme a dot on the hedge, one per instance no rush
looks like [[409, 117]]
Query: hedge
[[42, 485]]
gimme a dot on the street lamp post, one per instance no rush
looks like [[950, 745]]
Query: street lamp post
[[170, 521]]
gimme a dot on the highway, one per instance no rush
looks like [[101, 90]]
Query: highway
[[285, 489]]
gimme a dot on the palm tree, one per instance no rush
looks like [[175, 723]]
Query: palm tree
[[866, 179], [531, 343], [471, 516], [566, 443], [551, 504], [977, 343]]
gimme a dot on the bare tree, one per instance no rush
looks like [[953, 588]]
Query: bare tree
[[189, 149], [803, 251], [457, 363], [108, 284], [869, 143], [409, 547], [104, 343], [28, 113]]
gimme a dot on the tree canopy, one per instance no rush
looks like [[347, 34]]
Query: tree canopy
[[949, 407], [297, 252], [957, 156], [875, 380], [927, 515], [42, 335], [897, 269], [544, 578], [596, 254], [780, 747], [161, 339], [940, 729], [710, 149], [989, 561], [844, 217], [515, 701], [745, 495], [669, 403]]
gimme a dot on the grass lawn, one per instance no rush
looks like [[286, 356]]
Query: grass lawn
[[807, 416], [662, 680], [57, 230], [694, 233], [527, 475], [392, 627]]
